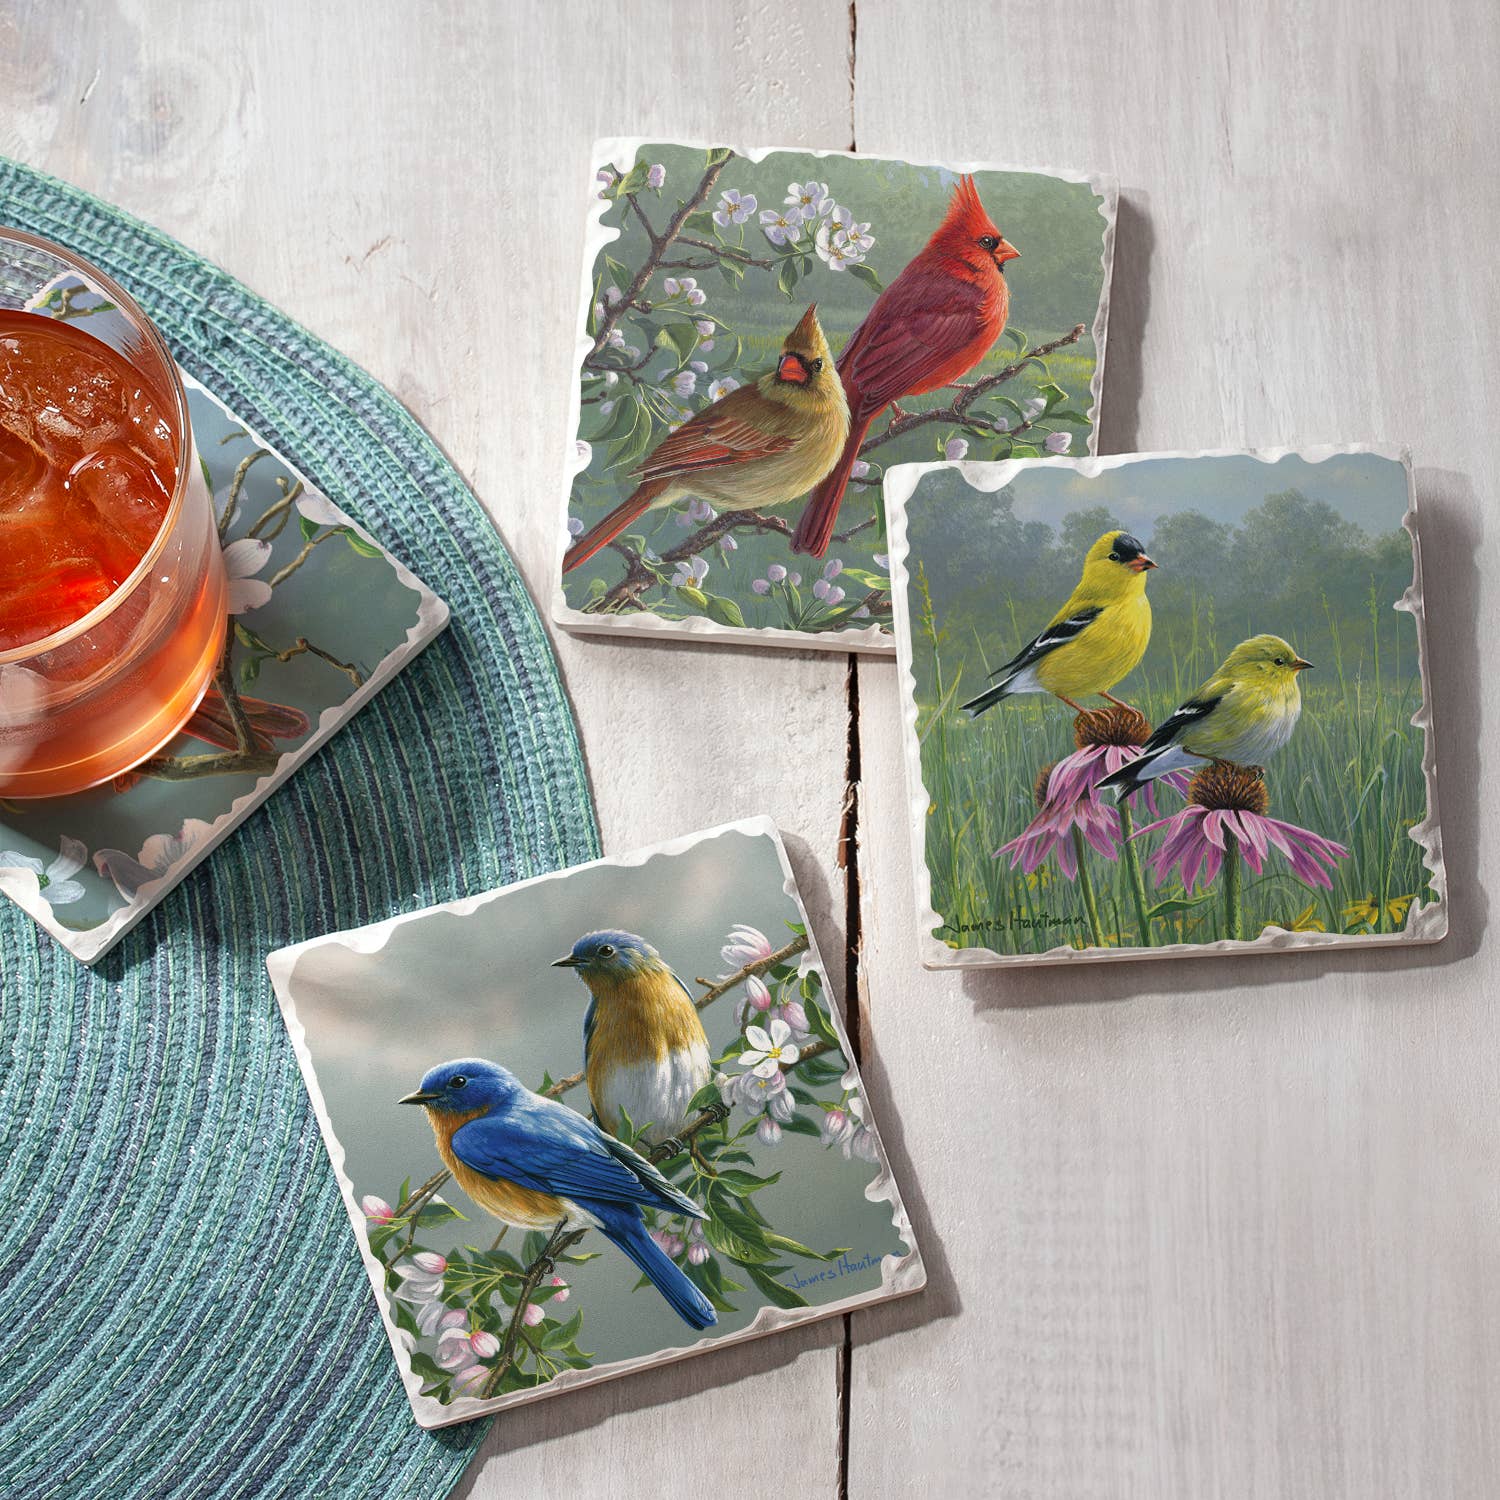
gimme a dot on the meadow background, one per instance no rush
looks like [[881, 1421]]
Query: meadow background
[[1315, 552], [731, 324]]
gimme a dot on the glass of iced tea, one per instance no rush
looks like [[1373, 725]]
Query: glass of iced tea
[[111, 576]]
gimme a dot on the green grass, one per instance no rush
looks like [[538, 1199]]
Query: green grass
[[1352, 772]]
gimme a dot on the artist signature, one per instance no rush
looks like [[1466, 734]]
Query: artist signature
[[1016, 919], [845, 1265]]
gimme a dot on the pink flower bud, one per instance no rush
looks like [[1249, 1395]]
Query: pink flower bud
[[563, 1293], [377, 1209], [768, 1132], [697, 1253], [430, 1263], [757, 993], [533, 1315], [794, 1015], [484, 1344]]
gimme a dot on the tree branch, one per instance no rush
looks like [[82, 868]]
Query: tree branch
[[305, 647], [562, 1240], [659, 244], [236, 484], [958, 410]]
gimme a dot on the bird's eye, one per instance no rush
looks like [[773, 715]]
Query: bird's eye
[[607, 951], [1115, 557], [457, 1081], [815, 366], [1281, 661], [989, 242]]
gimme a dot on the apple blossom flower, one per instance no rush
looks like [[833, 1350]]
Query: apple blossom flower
[[883, 560], [829, 593], [377, 1210], [700, 510], [611, 377], [697, 1245], [705, 327], [685, 286], [955, 448], [562, 1294], [860, 1141], [758, 1095], [756, 998], [809, 199], [612, 295], [834, 1126], [776, 573], [769, 1051], [690, 574], [667, 1242], [781, 227], [605, 407], [839, 221], [717, 389], [767, 1131], [615, 339], [861, 613], [1034, 407], [760, 586], [470, 1381], [858, 240], [734, 207], [833, 250], [728, 543], [685, 382], [533, 1315], [656, 175], [575, 525], [748, 945], [832, 568], [859, 469], [795, 579], [55, 880], [459, 1344], [1058, 442], [794, 1013], [242, 561]]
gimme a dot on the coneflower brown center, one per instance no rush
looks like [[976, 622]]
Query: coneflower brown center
[[1039, 788], [1115, 725], [1229, 787]]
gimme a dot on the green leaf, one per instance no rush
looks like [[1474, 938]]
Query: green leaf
[[710, 1281], [681, 338], [707, 1095], [308, 527], [773, 1290], [717, 155], [208, 478], [1052, 393], [801, 1125], [732, 272], [1077, 418], [790, 270], [727, 1242], [689, 595], [250, 670], [867, 275], [358, 544], [822, 1024], [724, 611], [620, 422], [629, 451], [1178, 904], [1015, 338], [700, 221], [1024, 450], [746, 1182], [563, 1333], [792, 1247]]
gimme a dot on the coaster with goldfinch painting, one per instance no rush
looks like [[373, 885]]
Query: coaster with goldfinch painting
[[596, 1121], [1165, 703], [322, 618], [762, 332]]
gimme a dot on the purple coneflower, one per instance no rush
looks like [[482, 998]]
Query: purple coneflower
[[1070, 815], [1226, 819]]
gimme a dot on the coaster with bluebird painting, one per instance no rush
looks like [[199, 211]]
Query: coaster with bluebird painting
[[596, 1121], [762, 332], [1166, 703], [322, 618]]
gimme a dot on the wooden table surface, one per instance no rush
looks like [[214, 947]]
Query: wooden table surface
[[1194, 1229]]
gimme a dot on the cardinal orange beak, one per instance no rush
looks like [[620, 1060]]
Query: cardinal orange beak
[[792, 367], [1140, 564], [1005, 251]]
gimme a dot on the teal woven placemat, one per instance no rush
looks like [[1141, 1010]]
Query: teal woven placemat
[[184, 1308]]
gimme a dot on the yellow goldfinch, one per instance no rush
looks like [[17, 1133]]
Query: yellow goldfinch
[[1244, 713], [1095, 639]]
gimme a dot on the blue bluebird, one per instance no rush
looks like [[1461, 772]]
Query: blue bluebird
[[644, 1048], [537, 1164]]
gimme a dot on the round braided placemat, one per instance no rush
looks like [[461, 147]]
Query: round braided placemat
[[184, 1310]]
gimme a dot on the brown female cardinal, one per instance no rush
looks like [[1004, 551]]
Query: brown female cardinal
[[930, 326], [764, 444]]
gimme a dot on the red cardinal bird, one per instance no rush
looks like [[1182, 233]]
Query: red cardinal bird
[[930, 326]]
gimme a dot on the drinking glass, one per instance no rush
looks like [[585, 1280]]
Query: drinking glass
[[104, 691]]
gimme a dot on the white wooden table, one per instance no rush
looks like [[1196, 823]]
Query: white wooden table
[[1196, 1229]]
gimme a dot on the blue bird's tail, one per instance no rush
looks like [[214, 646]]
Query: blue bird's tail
[[686, 1300]]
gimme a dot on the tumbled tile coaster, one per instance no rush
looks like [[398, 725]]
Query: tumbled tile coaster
[[323, 618], [1266, 777], [715, 488], [734, 1187]]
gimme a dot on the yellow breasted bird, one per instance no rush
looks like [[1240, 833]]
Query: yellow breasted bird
[[1244, 713], [764, 444], [644, 1048], [1095, 639]]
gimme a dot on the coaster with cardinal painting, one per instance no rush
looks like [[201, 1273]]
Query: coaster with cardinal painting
[[762, 332], [1165, 703], [323, 618]]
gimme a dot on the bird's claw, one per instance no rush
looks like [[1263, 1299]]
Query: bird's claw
[[544, 1266], [671, 1147], [719, 1111]]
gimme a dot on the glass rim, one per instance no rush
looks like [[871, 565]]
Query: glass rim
[[132, 310]]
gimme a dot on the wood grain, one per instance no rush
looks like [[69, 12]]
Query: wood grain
[[1202, 1229]]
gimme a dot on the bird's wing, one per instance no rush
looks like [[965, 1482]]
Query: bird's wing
[[550, 1148], [720, 434], [1180, 720], [898, 345], [1058, 633]]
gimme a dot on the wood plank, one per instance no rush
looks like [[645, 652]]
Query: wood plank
[[1224, 1227], [408, 181]]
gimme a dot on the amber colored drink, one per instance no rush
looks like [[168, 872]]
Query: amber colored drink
[[111, 581]]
